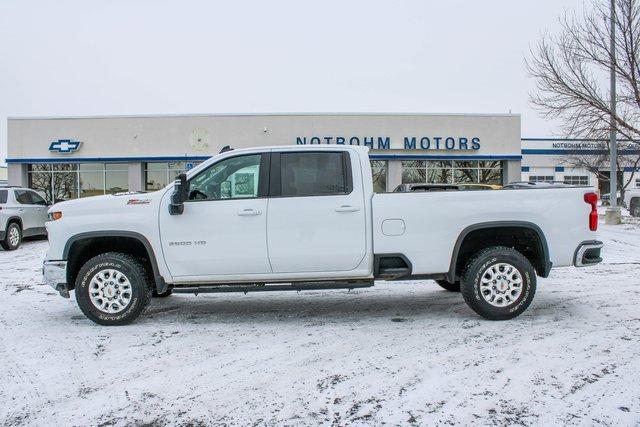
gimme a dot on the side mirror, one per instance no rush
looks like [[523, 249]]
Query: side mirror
[[180, 194]]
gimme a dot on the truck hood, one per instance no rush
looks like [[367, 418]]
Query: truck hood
[[102, 204]]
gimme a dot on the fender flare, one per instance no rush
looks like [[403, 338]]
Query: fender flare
[[159, 281], [543, 247]]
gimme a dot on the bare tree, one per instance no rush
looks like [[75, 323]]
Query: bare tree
[[596, 160], [571, 73]]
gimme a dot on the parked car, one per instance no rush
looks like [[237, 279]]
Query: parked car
[[403, 188], [299, 218], [632, 201], [23, 213]]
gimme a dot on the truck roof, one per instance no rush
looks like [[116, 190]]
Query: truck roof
[[311, 147]]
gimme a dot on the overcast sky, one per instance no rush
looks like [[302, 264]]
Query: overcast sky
[[68, 58]]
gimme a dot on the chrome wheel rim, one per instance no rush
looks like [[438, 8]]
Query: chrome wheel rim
[[110, 291], [501, 284], [14, 236]]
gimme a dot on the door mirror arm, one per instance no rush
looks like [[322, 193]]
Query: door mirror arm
[[180, 195]]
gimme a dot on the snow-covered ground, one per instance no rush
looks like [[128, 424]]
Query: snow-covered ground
[[400, 353]]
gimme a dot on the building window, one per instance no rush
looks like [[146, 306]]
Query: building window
[[64, 181], [91, 179], [379, 172], [540, 178], [116, 178], [451, 172], [582, 180], [159, 174]]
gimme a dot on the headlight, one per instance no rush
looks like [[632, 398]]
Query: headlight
[[55, 215]]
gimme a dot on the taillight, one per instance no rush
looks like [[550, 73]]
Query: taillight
[[592, 199]]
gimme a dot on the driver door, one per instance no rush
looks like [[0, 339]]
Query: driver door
[[222, 231]]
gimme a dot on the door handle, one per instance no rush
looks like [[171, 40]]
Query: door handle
[[347, 208], [249, 212]]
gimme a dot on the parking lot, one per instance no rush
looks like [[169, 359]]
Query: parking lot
[[399, 353]]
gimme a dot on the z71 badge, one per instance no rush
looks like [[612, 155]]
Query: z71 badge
[[139, 201]]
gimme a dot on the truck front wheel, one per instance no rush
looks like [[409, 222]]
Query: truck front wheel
[[113, 289], [498, 283]]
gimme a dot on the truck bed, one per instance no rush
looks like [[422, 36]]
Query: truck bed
[[424, 226]]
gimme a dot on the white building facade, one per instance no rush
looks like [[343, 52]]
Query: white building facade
[[3, 175], [566, 160], [71, 157]]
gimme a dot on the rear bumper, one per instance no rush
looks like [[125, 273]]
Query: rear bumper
[[54, 274], [588, 253]]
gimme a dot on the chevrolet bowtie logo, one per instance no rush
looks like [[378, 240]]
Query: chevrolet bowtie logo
[[64, 146]]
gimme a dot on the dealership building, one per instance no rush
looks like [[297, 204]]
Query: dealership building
[[71, 157], [566, 160]]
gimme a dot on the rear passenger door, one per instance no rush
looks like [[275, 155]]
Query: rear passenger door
[[316, 220], [26, 210]]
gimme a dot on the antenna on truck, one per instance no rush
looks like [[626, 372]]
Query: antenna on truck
[[225, 149]]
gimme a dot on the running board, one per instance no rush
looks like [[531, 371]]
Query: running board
[[300, 286]]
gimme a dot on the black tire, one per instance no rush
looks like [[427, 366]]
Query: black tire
[[451, 287], [481, 263], [132, 269], [9, 244], [164, 294]]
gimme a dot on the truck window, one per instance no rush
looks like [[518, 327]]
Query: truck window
[[313, 174], [233, 178], [3, 196]]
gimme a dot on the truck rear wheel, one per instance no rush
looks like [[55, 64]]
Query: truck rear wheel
[[498, 283], [451, 287], [113, 289]]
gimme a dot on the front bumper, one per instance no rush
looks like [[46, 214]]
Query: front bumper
[[55, 275], [588, 253]]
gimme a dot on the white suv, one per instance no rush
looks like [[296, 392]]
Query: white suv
[[23, 213]]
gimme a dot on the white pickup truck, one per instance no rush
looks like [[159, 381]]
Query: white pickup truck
[[298, 218]]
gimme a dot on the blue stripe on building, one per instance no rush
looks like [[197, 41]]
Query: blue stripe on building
[[201, 158], [550, 151]]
